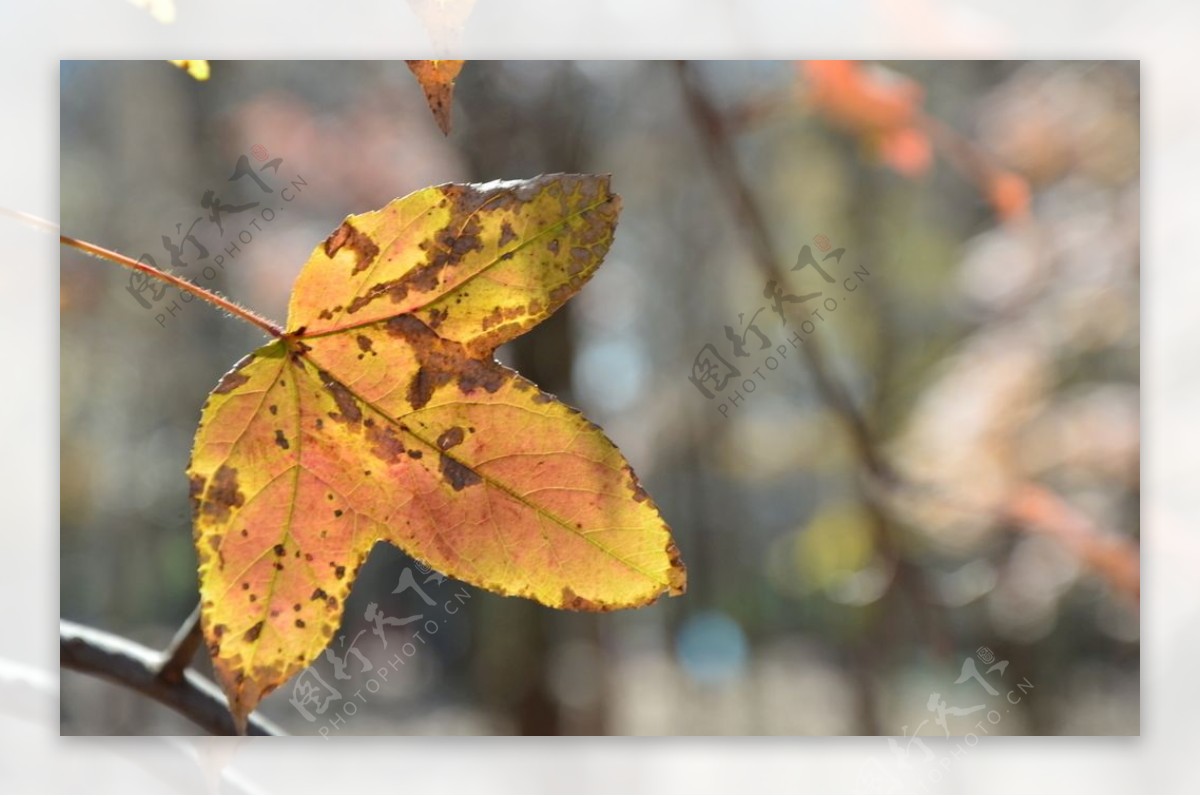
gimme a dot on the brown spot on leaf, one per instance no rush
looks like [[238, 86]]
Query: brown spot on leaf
[[579, 260], [385, 442], [274, 409], [195, 489], [252, 633], [278, 550], [339, 572], [499, 315], [223, 494], [349, 237], [450, 437], [442, 361], [230, 382], [364, 343], [318, 594], [573, 602], [457, 475], [423, 383], [347, 404], [280, 439], [506, 233], [234, 378], [414, 454], [444, 250], [678, 572]]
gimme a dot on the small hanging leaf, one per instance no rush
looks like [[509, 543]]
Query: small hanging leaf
[[382, 416], [197, 69], [437, 80]]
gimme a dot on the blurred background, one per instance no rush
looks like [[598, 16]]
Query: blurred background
[[945, 470]]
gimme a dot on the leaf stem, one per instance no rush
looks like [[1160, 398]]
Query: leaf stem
[[212, 298]]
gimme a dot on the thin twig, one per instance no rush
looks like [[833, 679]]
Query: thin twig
[[120, 661], [215, 299], [212, 298], [1116, 558], [714, 135], [182, 648], [30, 219]]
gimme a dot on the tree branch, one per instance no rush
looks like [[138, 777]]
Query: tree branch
[[182, 649], [713, 132], [120, 661]]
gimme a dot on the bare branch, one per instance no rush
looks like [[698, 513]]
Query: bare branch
[[183, 648], [120, 661], [713, 131]]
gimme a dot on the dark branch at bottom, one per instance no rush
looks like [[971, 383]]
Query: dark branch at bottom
[[120, 661]]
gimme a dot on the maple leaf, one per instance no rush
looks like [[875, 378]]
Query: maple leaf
[[381, 416], [437, 81]]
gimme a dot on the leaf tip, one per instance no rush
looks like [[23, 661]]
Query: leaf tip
[[437, 81]]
